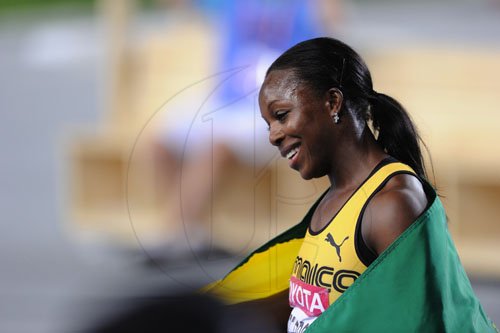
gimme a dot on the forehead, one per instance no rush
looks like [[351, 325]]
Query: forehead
[[279, 84]]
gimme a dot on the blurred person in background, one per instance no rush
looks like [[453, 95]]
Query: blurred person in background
[[252, 34]]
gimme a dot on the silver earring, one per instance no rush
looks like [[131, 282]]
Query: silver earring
[[336, 117]]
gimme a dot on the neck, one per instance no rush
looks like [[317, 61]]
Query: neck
[[353, 164]]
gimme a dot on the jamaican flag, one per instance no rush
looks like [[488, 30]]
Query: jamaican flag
[[417, 285]]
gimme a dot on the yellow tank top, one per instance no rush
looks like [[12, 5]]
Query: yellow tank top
[[328, 261]]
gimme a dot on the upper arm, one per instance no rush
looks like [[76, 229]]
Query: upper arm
[[392, 211]]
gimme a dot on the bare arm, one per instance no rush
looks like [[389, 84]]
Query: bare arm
[[392, 211]]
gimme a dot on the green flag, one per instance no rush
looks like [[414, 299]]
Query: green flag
[[417, 285]]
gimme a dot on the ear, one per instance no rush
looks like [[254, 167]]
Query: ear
[[335, 100]]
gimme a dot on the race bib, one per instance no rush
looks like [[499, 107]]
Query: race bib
[[312, 300]]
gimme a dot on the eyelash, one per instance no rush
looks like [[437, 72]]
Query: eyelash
[[280, 116]]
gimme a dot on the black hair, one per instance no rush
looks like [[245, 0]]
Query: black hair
[[325, 63]]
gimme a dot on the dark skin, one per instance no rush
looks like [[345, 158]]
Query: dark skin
[[300, 120]]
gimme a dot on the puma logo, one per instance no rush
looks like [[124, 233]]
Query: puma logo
[[329, 239]]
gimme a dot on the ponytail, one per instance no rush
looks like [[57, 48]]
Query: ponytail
[[397, 134]]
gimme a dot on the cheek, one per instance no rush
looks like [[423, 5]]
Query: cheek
[[294, 121], [317, 154], [299, 124]]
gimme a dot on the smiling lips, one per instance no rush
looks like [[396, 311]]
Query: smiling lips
[[291, 155]]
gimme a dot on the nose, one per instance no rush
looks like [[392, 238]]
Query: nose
[[276, 135]]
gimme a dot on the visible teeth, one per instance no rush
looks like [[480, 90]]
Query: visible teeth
[[292, 153]]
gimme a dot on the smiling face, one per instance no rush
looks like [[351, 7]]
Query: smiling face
[[300, 123]]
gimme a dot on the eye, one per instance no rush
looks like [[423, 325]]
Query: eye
[[281, 115]]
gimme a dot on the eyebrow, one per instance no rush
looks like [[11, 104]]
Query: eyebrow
[[271, 103], [294, 91]]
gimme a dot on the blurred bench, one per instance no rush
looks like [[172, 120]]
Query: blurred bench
[[451, 94]]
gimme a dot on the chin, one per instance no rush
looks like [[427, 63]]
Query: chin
[[308, 174], [306, 177]]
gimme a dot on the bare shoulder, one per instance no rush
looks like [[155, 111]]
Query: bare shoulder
[[392, 211]]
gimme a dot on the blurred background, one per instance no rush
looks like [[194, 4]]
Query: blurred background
[[135, 162]]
